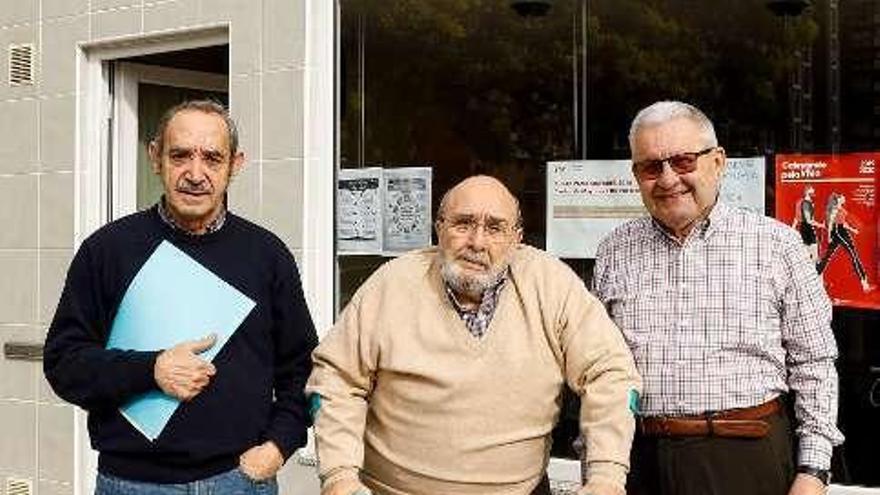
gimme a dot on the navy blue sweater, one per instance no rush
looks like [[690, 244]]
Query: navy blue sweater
[[257, 393]]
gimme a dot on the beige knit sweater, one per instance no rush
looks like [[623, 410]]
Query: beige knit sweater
[[415, 404]]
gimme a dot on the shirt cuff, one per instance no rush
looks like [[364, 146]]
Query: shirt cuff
[[338, 474], [608, 472], [814, 451]]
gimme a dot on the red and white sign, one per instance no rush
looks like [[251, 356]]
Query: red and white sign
[[832, 198]]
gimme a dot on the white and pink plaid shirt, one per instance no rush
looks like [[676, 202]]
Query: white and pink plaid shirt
[[731, 317]]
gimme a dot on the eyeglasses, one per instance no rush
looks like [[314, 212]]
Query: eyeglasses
[[682, 163], [495, 229]]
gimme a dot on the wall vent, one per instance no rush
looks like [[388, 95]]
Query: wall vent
[[19, 486], [21, 64]]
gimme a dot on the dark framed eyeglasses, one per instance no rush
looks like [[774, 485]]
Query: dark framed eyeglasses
[[682, 163], [465, 225]]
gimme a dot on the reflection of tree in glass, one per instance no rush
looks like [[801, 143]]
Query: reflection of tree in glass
[[729, 58], [498, 87]]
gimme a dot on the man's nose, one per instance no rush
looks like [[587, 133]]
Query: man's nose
[[667, 177], [478, 237], [196, 170]]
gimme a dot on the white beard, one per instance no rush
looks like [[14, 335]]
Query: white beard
[[473, 286]]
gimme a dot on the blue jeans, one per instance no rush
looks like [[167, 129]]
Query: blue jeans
[[232, 482]]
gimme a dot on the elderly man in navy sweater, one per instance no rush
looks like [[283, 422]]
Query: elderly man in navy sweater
[[242, 414]]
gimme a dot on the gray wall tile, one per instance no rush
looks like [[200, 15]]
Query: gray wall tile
[[282, 200], [20, 119], [57, 118], [18, 12], [244, 192], [284, 34], [18, 211], [56, 210], [168, 15], [246, 23], [49, 487], [18, 301], [64, 8], [283, 115], [114, 23], [58, 54], [244, 105], [55, 442], [18, 450], [112, 4]]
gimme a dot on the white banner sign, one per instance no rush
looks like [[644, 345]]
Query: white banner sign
[[587, 199]]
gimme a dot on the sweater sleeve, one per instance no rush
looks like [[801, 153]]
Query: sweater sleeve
[[294, 339], [341, 384], [76, 363], [600, 369]]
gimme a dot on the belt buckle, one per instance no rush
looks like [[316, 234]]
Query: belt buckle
[[711, 415], [665, 426]]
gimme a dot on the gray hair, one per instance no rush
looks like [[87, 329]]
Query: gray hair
[[662, 112], [205, 106]]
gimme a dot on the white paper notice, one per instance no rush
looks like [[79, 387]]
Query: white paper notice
[[587, 199], [359, 210], [743, 183], [407, 210]]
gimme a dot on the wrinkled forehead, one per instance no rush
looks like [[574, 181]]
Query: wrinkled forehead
[[481, 201], [192, 129]]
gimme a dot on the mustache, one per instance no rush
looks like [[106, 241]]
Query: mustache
[[475, 257], [193, 188]]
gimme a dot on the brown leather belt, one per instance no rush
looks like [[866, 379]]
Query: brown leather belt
[[747, 422]]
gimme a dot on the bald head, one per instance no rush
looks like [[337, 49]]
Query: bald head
[[481, 192], [478, 229]]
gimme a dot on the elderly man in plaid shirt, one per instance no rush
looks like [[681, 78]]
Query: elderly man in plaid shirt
[[728, 322]]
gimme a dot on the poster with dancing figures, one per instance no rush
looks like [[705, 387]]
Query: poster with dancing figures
[[407, 211], [830, 201]]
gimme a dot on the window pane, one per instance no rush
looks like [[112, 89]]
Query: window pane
[[468, 86]]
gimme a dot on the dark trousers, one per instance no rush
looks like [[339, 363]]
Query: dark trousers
[[715, 465]]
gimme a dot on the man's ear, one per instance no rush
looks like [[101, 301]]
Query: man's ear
[[155, 157], [720, 161], [237, 163]]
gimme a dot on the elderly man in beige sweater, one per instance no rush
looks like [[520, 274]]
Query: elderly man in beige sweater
[[444, 373]]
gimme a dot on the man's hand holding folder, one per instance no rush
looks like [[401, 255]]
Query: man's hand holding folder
[[181, 373]]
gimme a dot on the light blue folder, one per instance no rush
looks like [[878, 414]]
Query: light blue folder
[[172, 299]]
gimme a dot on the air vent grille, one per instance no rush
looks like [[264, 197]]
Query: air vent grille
[[21, 64], [19, 486]]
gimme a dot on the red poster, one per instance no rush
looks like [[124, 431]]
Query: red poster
[[829, 200]]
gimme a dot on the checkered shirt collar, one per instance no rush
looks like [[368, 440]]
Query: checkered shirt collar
[[477, 320], [166, 217]]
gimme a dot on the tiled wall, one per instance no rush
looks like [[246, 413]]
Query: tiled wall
[[267, 74]]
